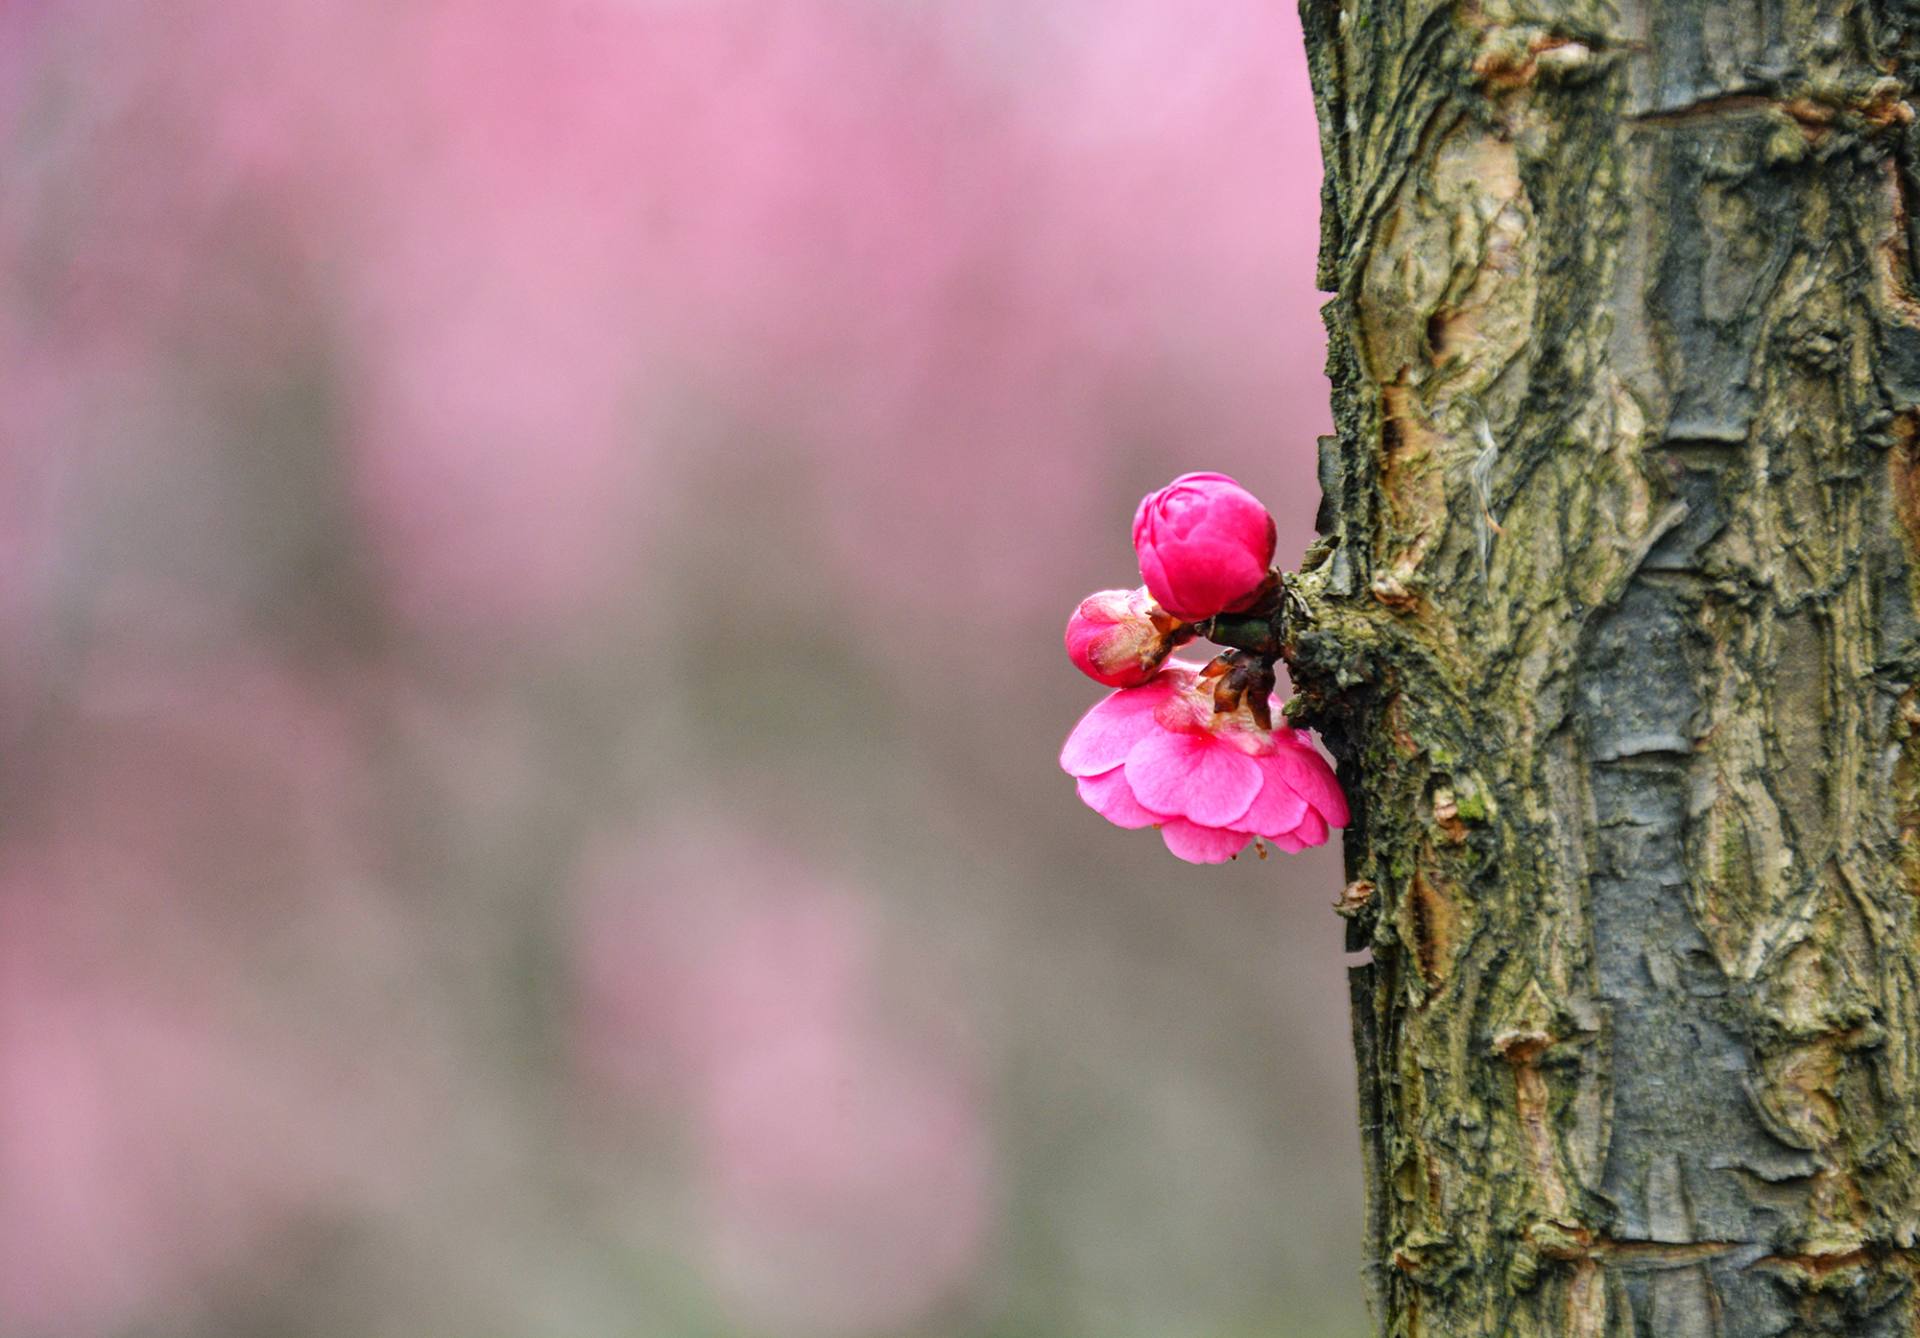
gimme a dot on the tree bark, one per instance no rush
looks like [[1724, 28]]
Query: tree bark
[[1613, 630]]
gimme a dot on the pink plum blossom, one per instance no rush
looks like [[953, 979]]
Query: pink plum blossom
[[1158, 756], [1113, 638], [1204, 544]]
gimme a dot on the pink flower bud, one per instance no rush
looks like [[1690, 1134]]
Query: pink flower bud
[[1204, 543], [1119, 637]]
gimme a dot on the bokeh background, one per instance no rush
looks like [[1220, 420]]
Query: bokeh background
[[533, 545]]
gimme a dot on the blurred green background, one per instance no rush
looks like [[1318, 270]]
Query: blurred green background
[[533, 547]]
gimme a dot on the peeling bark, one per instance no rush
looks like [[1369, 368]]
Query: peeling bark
[[1613, 630]]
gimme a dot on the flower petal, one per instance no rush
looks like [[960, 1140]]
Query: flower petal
[[1208, 570], [1193, 776], [1309, 776], [1279, 807], [1109, 795], [1202, 845], [1104, 736], [1312, 830], [1153, 575]]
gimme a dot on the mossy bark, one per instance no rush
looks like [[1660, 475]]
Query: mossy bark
[[1613, 631]]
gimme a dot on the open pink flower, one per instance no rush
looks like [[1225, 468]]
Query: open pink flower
[[1113, 637], [1158, 756], [1204, 544]]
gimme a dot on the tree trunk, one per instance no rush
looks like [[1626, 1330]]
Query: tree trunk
[[1614, 632]]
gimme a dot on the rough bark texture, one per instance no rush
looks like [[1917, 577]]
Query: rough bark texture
[[1614, 631]]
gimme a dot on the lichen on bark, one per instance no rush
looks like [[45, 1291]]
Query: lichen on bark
[[1613, 631]]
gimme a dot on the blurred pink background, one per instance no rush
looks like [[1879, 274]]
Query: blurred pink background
[[533, 543]]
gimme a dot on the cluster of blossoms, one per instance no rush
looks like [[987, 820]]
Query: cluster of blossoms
[[1193, 749]]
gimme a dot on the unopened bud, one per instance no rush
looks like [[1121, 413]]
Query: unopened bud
[[1204, 544], [1120, 637]]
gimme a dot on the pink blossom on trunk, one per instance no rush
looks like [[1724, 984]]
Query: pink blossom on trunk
[[1158, 756]]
